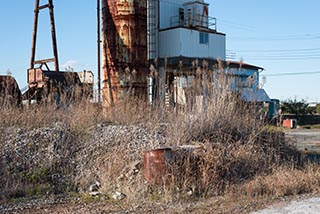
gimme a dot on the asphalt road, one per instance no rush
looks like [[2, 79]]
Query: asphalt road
[[306, 140]]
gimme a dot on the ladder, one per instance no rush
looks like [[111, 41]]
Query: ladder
[[153, 7], [33, 62]]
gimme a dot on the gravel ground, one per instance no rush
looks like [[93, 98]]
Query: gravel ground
[[306, 206], [25, 204], [82, 208], [28, 151], [37, 156]]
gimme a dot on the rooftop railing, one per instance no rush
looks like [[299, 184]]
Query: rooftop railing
[[194, 20]]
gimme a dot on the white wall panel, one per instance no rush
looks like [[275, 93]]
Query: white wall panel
[[185, 42]]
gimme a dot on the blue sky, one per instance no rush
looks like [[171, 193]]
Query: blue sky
[[280, 36], [76, 35]]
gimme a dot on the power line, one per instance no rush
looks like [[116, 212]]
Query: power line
[[281, 38], [279, 50], [283, 58], [293, 73], [273, 59], [278, 54], [286, 55], [305, 56]]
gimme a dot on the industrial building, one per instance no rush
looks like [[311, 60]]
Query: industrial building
[[157, 47], [157, 50], [185, 30]]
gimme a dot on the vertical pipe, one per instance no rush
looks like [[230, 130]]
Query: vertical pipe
[[99, 51], [108, 93], [34, 36], [54, 39], [107, 70], [150, 91], [109, 83]]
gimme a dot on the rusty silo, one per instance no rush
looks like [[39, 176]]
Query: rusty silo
[[124, 34]]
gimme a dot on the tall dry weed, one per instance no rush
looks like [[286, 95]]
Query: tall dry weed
[[284, 181], [234, 144]]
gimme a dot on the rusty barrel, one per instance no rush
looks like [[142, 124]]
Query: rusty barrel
[[155, 164]]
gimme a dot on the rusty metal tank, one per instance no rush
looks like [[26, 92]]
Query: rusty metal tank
[[124, 35], [10, 94]]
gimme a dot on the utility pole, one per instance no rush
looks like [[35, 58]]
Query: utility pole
[[53, 34], [99, 51], [34, 34]]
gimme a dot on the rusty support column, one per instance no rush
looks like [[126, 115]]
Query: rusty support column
[[34, 35], [108, 75], [107, 82], [99, 51], [53, 33]]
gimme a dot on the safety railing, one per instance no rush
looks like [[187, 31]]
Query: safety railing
[[194, 20]]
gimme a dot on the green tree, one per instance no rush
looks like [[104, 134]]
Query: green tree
[[318, 108], [296, 107]]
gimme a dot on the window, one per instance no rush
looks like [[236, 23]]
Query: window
[[204, 38]]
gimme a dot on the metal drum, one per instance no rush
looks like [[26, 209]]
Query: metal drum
[[155, 164]]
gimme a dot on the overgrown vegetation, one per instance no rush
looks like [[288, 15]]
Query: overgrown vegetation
[[236, 152], [297, 107]]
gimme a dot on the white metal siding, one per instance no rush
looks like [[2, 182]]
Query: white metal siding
[[185, 42], [170, 44]]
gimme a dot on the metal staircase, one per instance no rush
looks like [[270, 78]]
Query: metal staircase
[[153, 29]]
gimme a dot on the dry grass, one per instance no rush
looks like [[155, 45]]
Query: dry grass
[[83, 115], [285, 181], [237, 150]]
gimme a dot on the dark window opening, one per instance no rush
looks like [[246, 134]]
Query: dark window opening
[[203, 38], [181, 16]]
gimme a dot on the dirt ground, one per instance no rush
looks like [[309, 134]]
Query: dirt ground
[[307, 204], [221, 205], [306, 140]]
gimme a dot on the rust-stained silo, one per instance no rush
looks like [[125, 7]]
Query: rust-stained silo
[[124, 34]]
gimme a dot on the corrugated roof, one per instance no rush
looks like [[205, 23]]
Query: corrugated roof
[[236, 64], [250, 95]]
